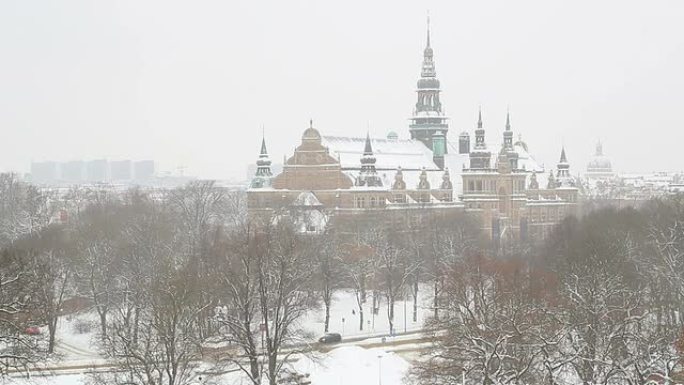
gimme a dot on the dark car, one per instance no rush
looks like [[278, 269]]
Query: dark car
[[330, 338]]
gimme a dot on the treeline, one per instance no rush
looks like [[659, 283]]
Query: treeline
[[167, 271], [600, 302]]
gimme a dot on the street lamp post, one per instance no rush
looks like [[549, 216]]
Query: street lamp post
[[342, 326], [404, 314], [379, 369]]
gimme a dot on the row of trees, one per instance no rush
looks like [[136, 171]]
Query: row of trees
[[166, 271], [600, 302]]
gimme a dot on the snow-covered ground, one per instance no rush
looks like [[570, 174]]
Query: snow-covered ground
[[344, 307], [355, 364], [344, 365]]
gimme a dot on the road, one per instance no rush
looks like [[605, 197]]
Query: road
[[405, 344]]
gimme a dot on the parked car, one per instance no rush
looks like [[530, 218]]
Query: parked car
[[32, 330], [330, 338]]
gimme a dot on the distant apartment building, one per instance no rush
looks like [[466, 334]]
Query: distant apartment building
[[120, 170], [97, 170], [73, 171], [143, 170], [44, 172]]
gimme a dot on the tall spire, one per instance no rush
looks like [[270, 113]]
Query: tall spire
[[479, 117], [368, 175], [262, 177], [508, 134], [480, 158], [563, 176], [480, 132], [428, 61], [368, 150], [428, 117], [428, 29], [263, 146]]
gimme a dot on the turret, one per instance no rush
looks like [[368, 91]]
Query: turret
[[508, 143], [563, 176], [480, 158], [263, 175], [399, 183], [423, 183], [446, 181], [534, 184], [428, 117], [368, 175]]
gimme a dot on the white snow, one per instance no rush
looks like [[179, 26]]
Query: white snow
[[354, 365], [344, 302]]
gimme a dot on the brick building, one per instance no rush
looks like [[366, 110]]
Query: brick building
[[329, 176]]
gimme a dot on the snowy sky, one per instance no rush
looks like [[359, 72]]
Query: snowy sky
[[191, 83]]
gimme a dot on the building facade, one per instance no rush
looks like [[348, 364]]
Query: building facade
[[427, 173]]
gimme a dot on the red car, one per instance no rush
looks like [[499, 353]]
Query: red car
[[32, 330]]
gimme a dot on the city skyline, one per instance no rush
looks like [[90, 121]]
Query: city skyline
[[194, 85]]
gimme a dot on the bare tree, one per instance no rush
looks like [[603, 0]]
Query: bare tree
[[18, 351], [237, 291], [284, 296], [392, 266], [199, 207]]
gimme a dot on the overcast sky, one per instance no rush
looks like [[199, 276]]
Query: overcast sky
[[191, 83]]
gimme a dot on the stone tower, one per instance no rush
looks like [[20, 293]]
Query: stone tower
[[428, 122]]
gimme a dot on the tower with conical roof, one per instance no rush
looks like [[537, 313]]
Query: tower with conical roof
[[368, 175], [262, 177], [508, 146], [428, 122], [480, 157], [563, 177]]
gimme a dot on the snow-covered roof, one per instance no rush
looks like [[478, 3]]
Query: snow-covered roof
[[412, 156], [389, 153]]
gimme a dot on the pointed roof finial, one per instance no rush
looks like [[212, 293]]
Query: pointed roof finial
[[263, 145], [479, 117], [508, 120], [368, 149], [428, 28], [310, 123], [563, 158]]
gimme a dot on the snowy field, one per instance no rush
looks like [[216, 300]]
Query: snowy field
[[344, 365], [344, 307], [354, 364]]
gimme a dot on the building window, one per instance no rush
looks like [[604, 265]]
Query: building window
[[360, 202], [372, 201], [311, 228], [479, 185]]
